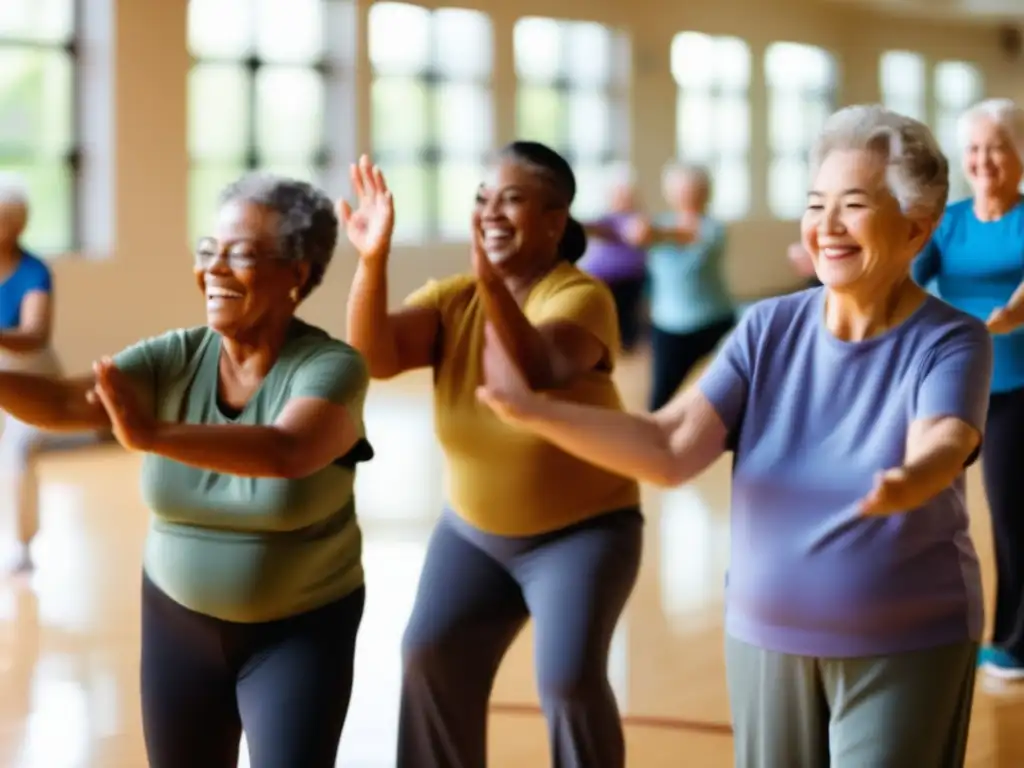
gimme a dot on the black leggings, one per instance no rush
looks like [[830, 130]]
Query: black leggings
[[476, 592], [627, 295], [1002, 459], [676, 354], [287, 682]]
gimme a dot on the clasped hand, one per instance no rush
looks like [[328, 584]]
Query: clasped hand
[[132, 425]]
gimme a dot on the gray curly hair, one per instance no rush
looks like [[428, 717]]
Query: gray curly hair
[[918, 171], [308, 225]]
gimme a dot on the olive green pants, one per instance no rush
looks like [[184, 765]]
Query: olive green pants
[[907, 710]]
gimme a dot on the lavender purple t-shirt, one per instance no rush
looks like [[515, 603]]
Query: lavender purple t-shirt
[[613, 261], [812, 419]]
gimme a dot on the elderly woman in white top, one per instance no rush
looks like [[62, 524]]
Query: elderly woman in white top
[[853, 608], [26, 314], [976, 260]]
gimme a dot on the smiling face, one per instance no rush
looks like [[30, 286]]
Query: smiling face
[[516, 216], [241, 274], [991, 163], [854, 230], [685, 191]]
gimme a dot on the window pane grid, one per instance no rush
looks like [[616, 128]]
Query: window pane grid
[[258, 94], [801, 81], [39, 116], [712, 77], [573, 95], [431, 113], [957, 85]]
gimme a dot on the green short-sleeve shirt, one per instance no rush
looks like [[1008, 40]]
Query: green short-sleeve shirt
[[240, 548]]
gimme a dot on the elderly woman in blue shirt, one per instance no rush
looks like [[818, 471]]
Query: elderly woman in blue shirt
[[976, 259], [26, 311]]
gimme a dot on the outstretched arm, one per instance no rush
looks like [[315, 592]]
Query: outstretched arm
[[946, 433], [51, 403], [665, 448]]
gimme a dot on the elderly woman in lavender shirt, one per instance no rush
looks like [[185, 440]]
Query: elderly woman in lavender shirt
[[611, 258], [853, 608]]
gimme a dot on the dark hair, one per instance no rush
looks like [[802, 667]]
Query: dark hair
[[558, 176], [308, 225]]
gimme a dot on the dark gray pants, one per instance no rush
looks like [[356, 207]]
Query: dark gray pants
[[475, 595]]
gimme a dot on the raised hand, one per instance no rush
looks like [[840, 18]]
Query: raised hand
[[483, 268], [505, 390], [132, 425], [893, 493], [370, 225]]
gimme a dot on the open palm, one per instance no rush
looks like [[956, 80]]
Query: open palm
[[370, 225]]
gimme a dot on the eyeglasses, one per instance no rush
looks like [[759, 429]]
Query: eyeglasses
[[238, 255]]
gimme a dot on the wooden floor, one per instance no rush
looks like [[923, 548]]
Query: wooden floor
[[69, 637]]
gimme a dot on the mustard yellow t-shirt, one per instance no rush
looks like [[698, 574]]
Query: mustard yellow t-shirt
[[501, 479]]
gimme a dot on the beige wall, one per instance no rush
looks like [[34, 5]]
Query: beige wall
[[109, 299]]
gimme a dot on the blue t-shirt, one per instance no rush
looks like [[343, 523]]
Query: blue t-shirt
[[29, 276], [688, 290], [976, 266], [812, 419]]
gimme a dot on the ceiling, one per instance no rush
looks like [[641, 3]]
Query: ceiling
[[981, 10]]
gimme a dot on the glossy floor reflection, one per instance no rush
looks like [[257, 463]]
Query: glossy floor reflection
[[69, 636]]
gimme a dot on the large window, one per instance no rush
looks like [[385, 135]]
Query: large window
[[713, 114], [957, 85], [904, 82], [38, 120], [432, 113], [264, 86], [573, 96], [801, 82]]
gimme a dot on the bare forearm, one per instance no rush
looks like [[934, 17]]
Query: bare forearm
[[632, 445], [675, 235], [935, 466], [369, 328], [19, 341], [230, 449], [49, 403], [523, 342]]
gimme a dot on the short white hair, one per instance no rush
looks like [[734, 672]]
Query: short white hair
[[699, 173], [917, 170], [1003, 112], [13, 189]]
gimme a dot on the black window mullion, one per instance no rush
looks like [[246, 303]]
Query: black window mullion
[[253, 64], [73, 160]]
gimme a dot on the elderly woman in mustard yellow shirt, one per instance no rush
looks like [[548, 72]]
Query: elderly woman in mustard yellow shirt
[[530, 530]]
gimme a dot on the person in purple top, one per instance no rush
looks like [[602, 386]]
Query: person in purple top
[[853, 600], [611, 259]]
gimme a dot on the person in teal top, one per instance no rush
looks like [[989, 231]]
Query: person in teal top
[[252, 426], [690, 305], [975, 261]]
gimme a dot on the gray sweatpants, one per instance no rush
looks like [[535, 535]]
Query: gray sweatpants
[[907, 710], [475, 595]]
